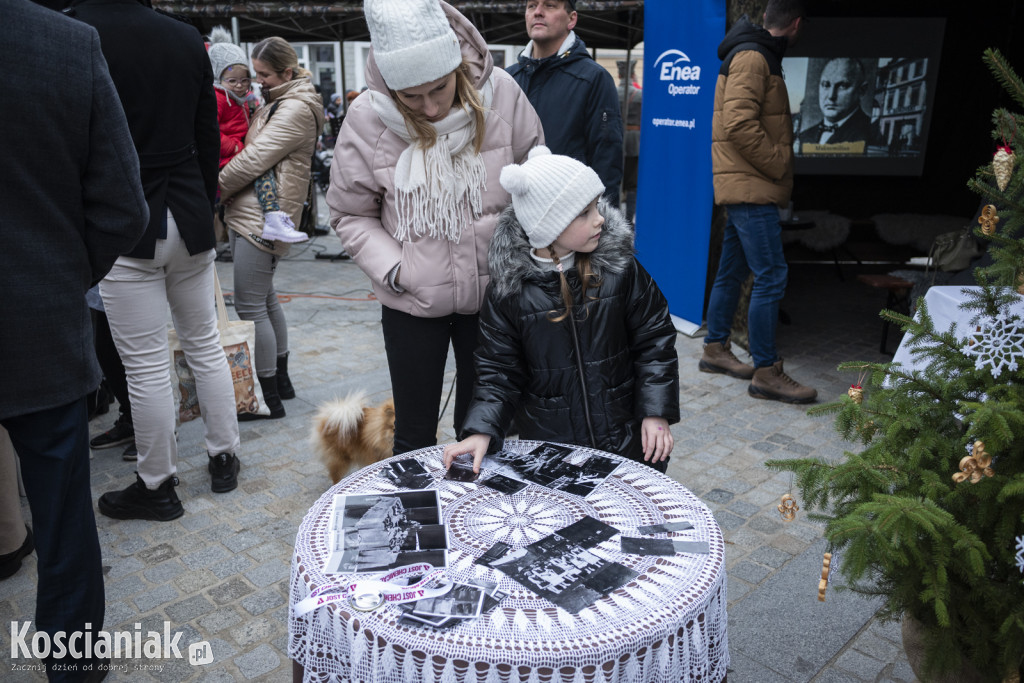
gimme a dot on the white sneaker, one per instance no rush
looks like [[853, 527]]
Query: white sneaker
[[278, 226]]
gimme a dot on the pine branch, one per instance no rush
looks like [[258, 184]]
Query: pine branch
[[1005, 74]]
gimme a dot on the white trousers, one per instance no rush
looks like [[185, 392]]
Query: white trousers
[[136, 294]]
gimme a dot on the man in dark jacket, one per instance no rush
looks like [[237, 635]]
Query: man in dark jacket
[[752, 161], [165, 82], [72, 203], [574, 96]]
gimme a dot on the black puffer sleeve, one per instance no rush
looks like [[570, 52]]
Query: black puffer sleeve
[[500, 372], [652, 339]]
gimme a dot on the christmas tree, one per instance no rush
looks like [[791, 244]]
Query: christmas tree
[[929, 514]]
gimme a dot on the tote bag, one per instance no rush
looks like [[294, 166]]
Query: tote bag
[[238, 337]]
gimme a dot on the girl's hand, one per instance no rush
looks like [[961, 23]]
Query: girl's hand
[[476, 445], [656, 439]]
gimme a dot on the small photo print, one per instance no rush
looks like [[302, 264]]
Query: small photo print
[[551, 450], [587, 532], [493, 554], [664, 528], [461, 472], [462, 602], [647, 546], [697, 547], [506, 485]]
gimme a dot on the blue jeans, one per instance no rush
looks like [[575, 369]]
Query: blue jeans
[[752, 242], [53, 445]]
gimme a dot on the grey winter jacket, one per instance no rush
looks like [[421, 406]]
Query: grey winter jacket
[[593, 377]]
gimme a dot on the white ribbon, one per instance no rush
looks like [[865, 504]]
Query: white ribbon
[[382, 586]]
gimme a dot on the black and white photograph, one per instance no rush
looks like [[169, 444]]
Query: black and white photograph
[[493, 554], [664, 528], [551, 451], [647, 546], [506, 485], [408, 473], [461, 471], [587, 532], [560, 568], [376, 532], [462, 601]]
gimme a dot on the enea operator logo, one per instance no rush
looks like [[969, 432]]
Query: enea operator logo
[[674, 68]]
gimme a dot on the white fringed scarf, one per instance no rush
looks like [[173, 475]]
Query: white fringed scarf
[[439, 190]]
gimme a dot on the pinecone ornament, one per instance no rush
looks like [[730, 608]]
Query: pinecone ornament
[[1002, 164]]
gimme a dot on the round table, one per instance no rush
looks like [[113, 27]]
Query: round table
[[668, 625]]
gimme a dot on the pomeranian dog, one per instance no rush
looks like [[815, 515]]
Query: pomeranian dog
[[348, 433]]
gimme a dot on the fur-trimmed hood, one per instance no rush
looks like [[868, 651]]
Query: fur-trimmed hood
[[509, 257]]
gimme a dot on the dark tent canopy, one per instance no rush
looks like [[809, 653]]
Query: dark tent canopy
[[603, 23]]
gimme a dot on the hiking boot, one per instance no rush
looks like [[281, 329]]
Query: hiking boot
[[138, 502], [223, 472], [284, 383], [131, 453], [121, 433], [772, 383], [718, 358]]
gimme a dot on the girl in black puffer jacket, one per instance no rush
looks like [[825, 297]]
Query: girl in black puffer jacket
[[576, 341]]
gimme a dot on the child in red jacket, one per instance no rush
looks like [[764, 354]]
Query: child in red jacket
[[231, 84]]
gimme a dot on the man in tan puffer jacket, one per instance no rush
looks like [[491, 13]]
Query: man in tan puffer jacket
[[752, 158]]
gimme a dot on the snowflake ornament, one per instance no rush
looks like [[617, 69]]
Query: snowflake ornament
[[996, 343], [1020, 553]]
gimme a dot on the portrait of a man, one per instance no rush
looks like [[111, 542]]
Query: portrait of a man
[[841, 87]]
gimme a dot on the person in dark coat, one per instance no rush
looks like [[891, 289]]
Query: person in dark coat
[[575, 97], [72, 203], [155, 58], [576, 341]]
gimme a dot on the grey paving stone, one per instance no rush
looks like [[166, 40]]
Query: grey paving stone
[[189, 609], [130, 585], [125, 566], [155, 597], [233, 565], [205, 556], [770, 557], [238, 542], [765, 524], [220, 619], [859, 664], [258, 661], [750, 572], [158, 553], [163, 572], [266, 574], [718, 496], [728, 520], [743, 669], [230, 591], [268, 598]]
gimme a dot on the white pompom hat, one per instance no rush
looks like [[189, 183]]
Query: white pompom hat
[[223, 53], [413, 43], [548, 192]]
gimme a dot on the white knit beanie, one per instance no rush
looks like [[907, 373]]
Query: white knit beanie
[[548, 192], [413, 43], [224, 53]]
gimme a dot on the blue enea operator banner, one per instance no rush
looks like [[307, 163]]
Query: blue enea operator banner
[[674, 192]]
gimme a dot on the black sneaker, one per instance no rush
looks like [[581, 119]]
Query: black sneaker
[[131, 453], [138, 502], [121, 433], [223, 472], [10, 563]]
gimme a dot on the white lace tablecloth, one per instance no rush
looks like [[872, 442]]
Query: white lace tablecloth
[[668, 625]]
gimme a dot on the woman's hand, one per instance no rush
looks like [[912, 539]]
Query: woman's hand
[[656, 439], [476, 445]]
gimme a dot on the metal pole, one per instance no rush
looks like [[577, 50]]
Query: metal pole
[[236, 32]]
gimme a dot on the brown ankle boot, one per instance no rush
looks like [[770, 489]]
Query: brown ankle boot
[[718, 358], [774, 384]]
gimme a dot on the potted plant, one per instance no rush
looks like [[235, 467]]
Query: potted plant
[[929, 514]]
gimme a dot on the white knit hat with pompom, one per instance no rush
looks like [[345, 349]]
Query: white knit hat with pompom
[[548, 192], [223, 53], [413, 43]]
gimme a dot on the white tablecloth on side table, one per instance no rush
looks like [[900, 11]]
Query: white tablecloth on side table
[[944, 308], [666, 626]]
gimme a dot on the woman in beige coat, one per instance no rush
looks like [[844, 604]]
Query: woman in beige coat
[[281, 138], [415, 196]]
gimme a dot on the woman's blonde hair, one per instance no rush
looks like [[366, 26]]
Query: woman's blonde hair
[[466, 96], [587, 277], [276, 53]]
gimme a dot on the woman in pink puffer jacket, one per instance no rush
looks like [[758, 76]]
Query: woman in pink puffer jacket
[[415, 197]]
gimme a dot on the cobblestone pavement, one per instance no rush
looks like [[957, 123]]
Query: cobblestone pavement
[[220, 572]]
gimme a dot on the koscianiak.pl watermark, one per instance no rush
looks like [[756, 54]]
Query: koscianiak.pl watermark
[[146, 649]]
